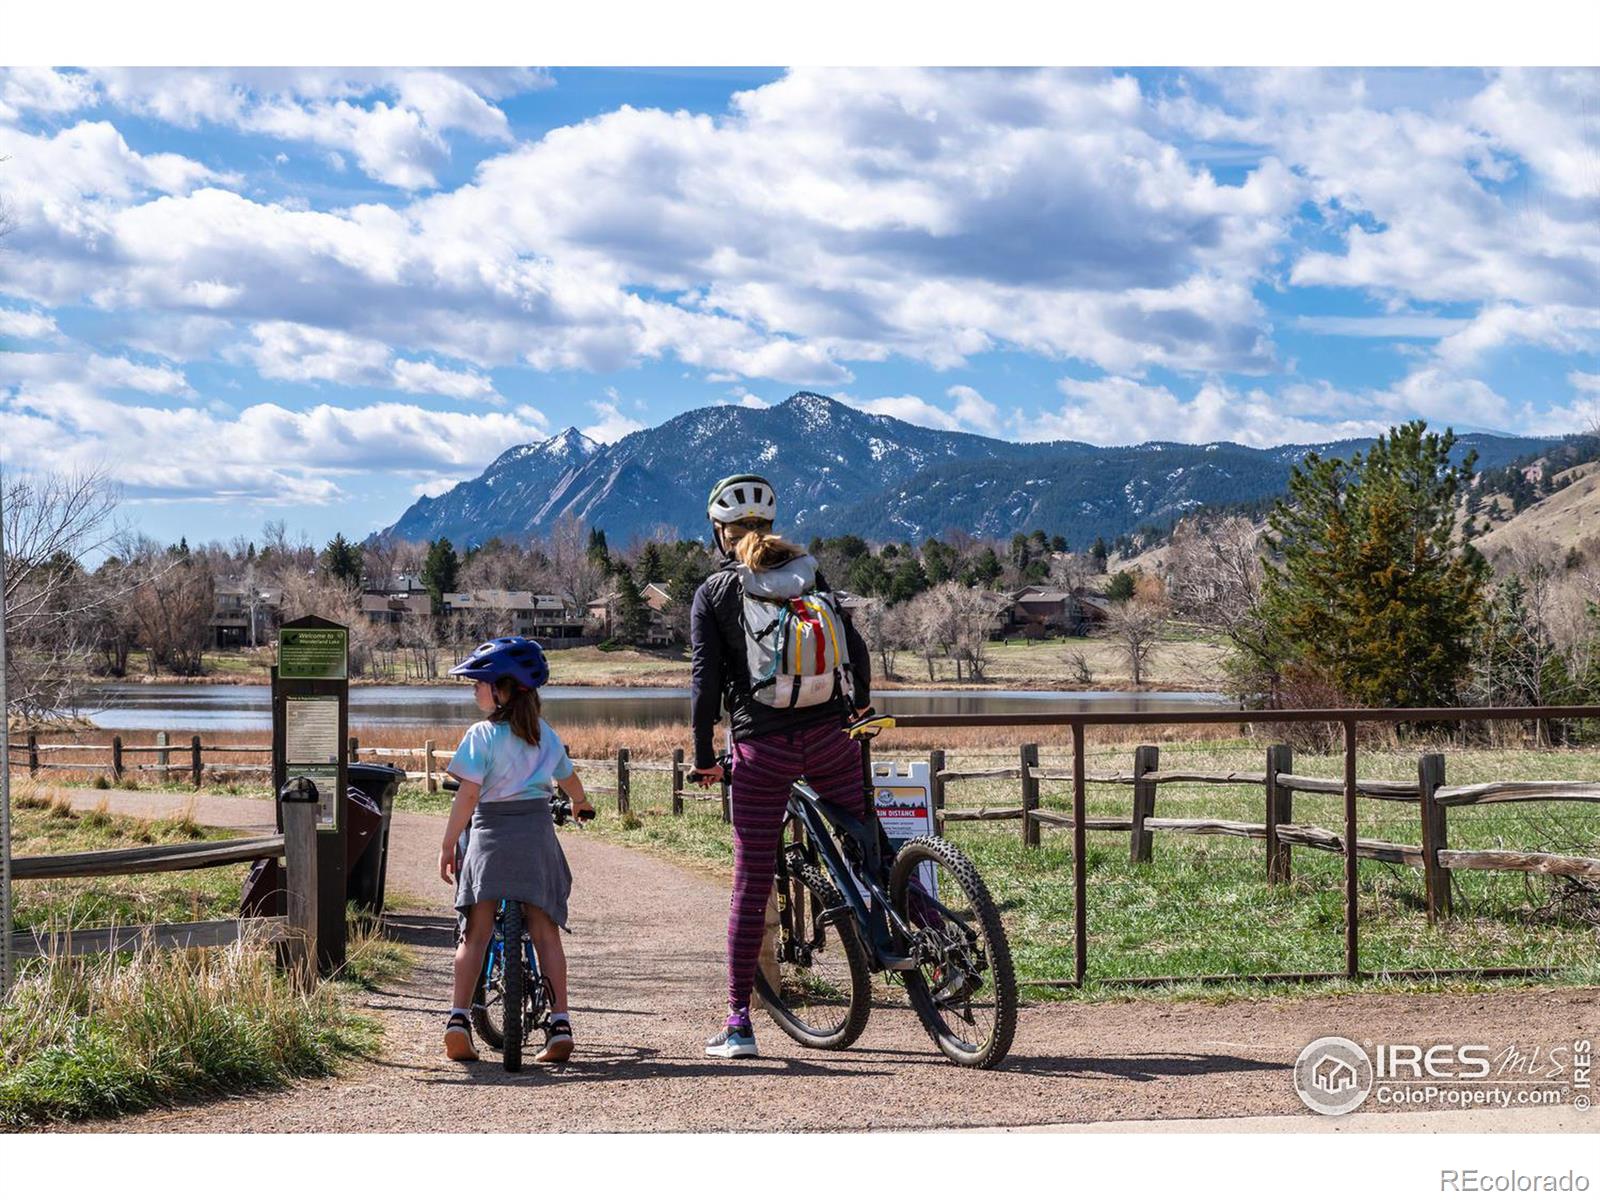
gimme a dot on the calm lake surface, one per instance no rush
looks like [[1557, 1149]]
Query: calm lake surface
[[242, 706]]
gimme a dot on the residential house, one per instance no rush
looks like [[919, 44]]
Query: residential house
[[1040, 611], [396, 605], [242, 615], [544, 617]]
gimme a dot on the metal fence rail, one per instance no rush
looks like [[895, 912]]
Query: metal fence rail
[[1348, 721]]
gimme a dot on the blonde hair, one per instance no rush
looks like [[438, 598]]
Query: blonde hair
[[520, 707], [761, 549]]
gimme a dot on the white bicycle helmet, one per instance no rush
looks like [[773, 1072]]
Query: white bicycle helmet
[[742, 498]]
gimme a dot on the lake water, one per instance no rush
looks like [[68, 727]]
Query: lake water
[[201, 707]]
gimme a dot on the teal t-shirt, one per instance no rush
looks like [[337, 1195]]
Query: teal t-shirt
[[507, 768]]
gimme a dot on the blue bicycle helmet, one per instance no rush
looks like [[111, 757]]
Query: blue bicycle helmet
[[518, 658]]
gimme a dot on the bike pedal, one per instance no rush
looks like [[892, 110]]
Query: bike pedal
[[898, 962]]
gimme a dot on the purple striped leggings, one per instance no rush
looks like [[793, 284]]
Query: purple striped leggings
[[764, 768]]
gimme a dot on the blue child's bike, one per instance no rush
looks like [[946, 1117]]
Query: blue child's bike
[[513, 1000]]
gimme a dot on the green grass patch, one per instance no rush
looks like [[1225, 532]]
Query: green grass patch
[[166, 896], [1203, 907]]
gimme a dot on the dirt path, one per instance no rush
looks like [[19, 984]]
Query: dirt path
[[647, 979]]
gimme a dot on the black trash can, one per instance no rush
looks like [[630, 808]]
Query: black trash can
[[374, 786], [370, 791]]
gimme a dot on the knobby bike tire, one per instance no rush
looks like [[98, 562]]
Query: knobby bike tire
[[511, 1022], [843, 929], [1001, 975]]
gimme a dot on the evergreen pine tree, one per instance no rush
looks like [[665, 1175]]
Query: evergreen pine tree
[[633, 614], [1376, 592], [649, 567], [342, 560], [440, 569]]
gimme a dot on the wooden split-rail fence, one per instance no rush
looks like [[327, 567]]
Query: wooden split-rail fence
[[294, 933], [1278, 830]]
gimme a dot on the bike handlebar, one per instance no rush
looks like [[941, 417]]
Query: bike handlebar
[[560, 809]]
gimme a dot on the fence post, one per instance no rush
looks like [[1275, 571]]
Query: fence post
[[300, 886], [163, 757], [936, 789], [1145, 760], [1436, 878], [623, 779], [677, 782], [1030, 794], [116, 758], [194, 759], [1280, 811], [428, 780], [355, 747], [33, 755]]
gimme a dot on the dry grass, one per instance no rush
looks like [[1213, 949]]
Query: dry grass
[[102, 1036]]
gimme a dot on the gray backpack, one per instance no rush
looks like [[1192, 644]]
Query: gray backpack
[[793, 635]]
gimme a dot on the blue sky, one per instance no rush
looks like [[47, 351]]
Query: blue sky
[[311, 295]]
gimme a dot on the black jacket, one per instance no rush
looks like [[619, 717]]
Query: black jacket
[[721, 671]]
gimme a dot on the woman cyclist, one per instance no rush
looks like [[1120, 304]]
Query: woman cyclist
[[796, 732]]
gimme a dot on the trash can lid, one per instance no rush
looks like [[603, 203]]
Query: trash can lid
[[374, 772]]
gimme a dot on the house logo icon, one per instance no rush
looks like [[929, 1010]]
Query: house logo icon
[[1333, 1076]]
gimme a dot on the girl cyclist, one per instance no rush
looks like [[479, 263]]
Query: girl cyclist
[[509, 766], [791, 733]]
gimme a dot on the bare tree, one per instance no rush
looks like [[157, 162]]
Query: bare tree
[[575, 572], [881, 628], [1136, 625], [172, 607], [51, 523]]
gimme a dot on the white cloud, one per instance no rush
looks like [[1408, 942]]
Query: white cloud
[[264, 452], [973, 411], [907, 408], [437, 485], [304, 354], [17, 323], [93, 370], [1584, 382], [392, 122], [40, 90], [1120, 411], [614, 424]]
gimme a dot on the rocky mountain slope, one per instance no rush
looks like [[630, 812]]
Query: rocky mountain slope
[[841, 470]]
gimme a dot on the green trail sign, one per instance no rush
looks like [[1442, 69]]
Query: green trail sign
[[316, 652], [310, 740]]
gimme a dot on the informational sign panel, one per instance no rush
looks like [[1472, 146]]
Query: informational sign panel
[[901, 794], [310, 739], [314, 652]]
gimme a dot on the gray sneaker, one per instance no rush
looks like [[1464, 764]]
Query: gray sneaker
[[734, 1041]]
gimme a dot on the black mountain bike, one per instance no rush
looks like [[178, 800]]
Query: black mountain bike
[[513, 1000], [850, 904]]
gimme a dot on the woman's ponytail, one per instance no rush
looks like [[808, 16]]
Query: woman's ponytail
[[520, 707], [760, 550]]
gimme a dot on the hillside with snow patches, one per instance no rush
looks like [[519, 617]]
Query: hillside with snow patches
[[840, 470]]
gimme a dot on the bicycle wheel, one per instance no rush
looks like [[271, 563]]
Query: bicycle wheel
[[824, 992], [511, 1010], [964, 990], [490, 1000]]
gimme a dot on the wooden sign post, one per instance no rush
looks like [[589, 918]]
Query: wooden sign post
[[310, 740]]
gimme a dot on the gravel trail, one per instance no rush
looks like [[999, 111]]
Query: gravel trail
[[646, 957]]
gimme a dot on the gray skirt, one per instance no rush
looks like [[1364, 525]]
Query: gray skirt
[[512, 853]]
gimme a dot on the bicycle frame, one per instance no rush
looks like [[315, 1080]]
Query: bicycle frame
[[886, 933], [496, 950]]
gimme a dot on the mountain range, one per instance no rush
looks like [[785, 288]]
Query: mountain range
[[840, 470]]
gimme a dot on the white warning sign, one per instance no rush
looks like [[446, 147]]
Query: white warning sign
[[900, 794]]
